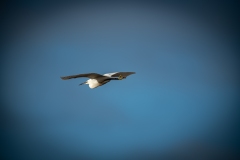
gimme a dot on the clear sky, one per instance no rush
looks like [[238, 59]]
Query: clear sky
[[185, 92]]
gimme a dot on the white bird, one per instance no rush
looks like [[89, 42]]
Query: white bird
[[97, 80]]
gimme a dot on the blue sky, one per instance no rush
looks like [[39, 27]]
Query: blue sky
[[185, 90]]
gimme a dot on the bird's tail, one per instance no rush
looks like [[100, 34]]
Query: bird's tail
[[82, 83]]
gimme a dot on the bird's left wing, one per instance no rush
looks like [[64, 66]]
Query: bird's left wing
[[117, 74], [89, 75]]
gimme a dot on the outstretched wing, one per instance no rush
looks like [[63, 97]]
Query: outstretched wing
[[89, 75], [117, 74]]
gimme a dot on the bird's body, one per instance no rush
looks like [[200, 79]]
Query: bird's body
[[97, 80], [93, 83]]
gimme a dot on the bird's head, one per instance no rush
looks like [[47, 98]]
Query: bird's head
[[121, 77]]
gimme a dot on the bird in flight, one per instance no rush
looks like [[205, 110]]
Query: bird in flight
[[96, 80]]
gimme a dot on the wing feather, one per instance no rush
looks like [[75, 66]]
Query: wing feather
[[89, 75], [124, 74]]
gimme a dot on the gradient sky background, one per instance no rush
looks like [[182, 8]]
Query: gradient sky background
[[184, 95]]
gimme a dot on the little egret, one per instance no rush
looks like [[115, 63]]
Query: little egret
[[97, 80]]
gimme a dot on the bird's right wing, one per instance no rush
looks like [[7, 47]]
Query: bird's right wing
[[89, 75]]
